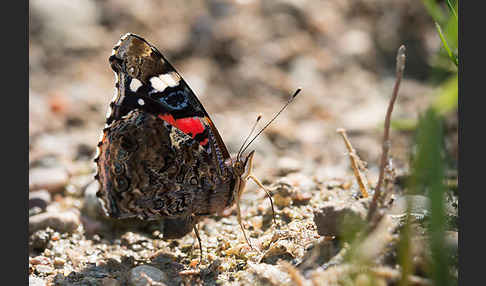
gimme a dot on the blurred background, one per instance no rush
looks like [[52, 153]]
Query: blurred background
[[243, 58]]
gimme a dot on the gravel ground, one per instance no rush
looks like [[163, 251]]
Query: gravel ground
[[241, 58]]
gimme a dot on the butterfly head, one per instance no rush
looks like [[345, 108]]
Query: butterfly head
[[240, 164]]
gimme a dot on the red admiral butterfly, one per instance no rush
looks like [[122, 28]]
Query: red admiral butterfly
[[160, 155]]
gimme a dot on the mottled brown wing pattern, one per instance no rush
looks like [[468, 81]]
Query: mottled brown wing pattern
[[149, 169]]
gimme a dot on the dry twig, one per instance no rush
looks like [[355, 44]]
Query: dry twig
[[386, 135], [356, 163]]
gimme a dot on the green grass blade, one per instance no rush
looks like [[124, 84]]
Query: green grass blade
[[451, 7], [428, 178], [446, 46]]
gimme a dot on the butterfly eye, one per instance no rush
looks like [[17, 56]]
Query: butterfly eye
[[238, 168]]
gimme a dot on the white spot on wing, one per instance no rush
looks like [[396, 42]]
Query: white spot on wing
[[158, 84], [135, 84], [172, 79], [140, 101], [163, 81]]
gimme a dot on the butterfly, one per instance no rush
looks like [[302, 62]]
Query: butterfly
[[160, 154]]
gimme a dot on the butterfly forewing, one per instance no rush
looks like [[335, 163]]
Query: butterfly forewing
[[146, 81]]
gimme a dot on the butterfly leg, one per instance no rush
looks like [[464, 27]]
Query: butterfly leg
[[249, 175], [196, 232], [238, 216], [254, 179]]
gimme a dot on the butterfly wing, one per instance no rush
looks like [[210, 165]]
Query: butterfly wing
[[146, 81]]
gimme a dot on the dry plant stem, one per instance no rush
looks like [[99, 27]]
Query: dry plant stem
[[190, 272], [355, 163], [386, 135]]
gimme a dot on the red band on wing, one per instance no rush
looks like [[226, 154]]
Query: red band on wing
[[204, 142], [167, 118], [191, 125]]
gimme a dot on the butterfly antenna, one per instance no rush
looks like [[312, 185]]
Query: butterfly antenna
[[275, 117], [249, 135]]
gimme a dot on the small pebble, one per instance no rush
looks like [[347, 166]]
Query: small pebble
[[282, 201], [39, 239], [67, 221], [59, 262], [40, 199], [51, 179], [132, 238], [91, 206], [288, 165], [138, 279], [330, 220], [35, 210], [35, 281], [39, 260], [55, 236], [44, 269]]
